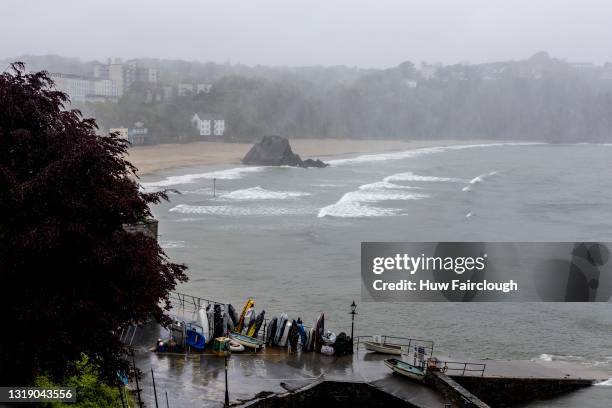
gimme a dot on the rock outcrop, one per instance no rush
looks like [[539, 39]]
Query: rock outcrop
[[276, 151]]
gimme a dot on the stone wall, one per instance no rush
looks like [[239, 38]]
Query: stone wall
[[506, 392]]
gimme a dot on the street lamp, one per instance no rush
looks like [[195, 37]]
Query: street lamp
[[353, 313]]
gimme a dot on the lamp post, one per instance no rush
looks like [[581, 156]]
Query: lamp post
[[353, 313]]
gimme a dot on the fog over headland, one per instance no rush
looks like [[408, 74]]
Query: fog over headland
[[364, 33]]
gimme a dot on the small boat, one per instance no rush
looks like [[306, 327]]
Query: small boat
[[406, 369], [246, 341], [194, 337], [384, 348]]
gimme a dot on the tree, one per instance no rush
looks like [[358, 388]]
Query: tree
[[72, 275]]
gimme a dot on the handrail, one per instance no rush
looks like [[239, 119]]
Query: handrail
[[463, 367]]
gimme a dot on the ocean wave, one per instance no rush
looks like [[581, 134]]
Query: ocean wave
[[554, 357], [329, 185], [229, 174], [384, 185], [409, 176], [171, 244], [233, 211], [354, 204], [478, 179], [259, 193], [407, 154], [606, 383]]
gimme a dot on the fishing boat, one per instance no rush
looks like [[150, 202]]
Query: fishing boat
[[405, 369], [246, 341]]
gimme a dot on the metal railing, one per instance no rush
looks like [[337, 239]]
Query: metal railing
[[191, 304], [456, 367]]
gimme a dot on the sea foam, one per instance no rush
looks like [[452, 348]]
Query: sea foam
[[356, 204], [234, 211], [259, 193], [229, 174], [409, 176]]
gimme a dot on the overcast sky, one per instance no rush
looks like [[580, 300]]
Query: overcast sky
[[365, 33]]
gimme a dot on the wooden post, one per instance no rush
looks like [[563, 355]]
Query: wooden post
[[214, 187]]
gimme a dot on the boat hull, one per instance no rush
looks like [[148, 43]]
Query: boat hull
[[405, 369], [383, 348], [246, 341]]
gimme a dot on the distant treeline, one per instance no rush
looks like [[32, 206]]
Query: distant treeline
[[539, 99]]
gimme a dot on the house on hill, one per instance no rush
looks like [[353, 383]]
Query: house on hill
[[209, 125]]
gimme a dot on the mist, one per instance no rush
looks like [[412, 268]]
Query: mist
[[367, 33]]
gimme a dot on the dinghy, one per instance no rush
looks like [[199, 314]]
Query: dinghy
[[405, 369], [378, 345], [246, 341], [194, 337]]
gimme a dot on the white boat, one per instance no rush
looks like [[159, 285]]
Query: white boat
[[405, 369], [246, 341], [384, 348]]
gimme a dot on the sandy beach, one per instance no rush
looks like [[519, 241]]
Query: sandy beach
[[149, 159]]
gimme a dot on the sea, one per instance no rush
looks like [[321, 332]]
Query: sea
[[290, 239]]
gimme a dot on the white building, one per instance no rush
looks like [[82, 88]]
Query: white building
[[209, 124], [124, 75], [84, 89]]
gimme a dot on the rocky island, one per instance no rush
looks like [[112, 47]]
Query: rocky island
[[276, 151]]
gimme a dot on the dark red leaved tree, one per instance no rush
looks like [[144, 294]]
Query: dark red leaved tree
[[71, 275]]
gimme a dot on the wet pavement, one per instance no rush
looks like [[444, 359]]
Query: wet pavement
[[198, 380]]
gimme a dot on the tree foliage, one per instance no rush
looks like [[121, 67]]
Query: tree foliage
[[72, 276]]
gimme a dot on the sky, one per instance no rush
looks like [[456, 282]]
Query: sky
[[363, 33]]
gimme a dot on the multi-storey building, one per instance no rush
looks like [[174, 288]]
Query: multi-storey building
[[85, 89]]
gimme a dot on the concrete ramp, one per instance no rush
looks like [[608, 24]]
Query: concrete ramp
[[453, 391]]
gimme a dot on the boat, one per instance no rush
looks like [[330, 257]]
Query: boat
[[384, 348], [405, 369], [194, 337], [246, 341]]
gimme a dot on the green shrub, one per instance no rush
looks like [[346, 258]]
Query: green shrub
[[91, 392]]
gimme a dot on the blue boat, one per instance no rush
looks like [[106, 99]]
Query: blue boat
[[194, 337]]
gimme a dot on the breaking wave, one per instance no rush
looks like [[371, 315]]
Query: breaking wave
[[229, 174], [233, 211], [606, 383], [259, 193], [409, 176], [417, 152], [554, 357], [478, 179], [355, 204]]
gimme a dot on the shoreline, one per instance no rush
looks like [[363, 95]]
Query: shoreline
[[150, 159]]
